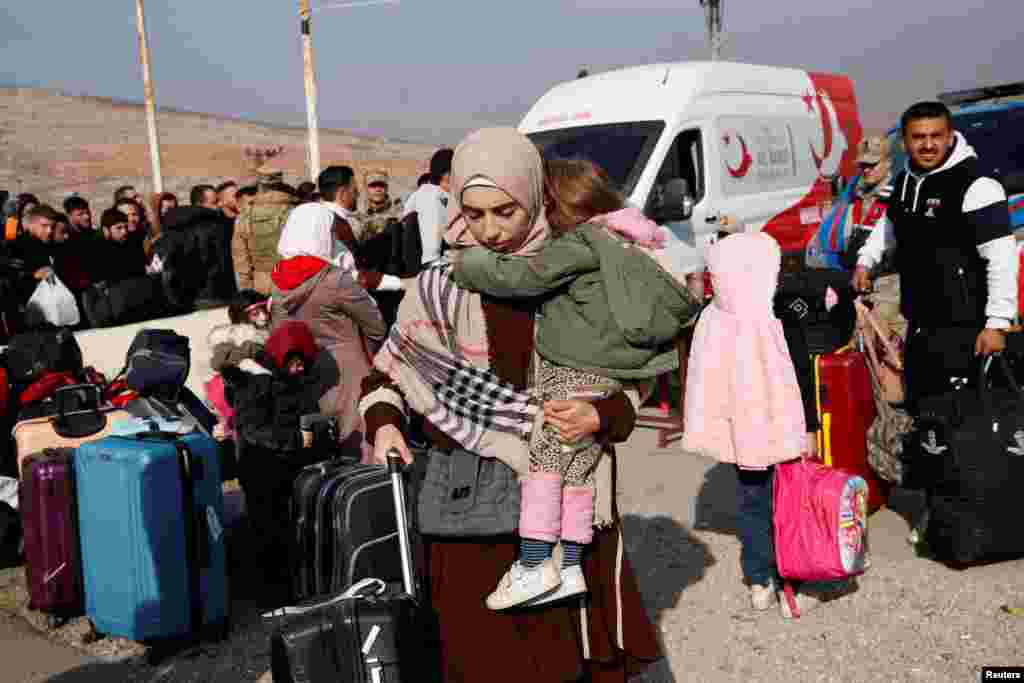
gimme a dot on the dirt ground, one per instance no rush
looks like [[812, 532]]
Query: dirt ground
[[911, 619]]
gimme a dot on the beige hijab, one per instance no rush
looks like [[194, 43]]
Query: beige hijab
[[437, 353], [506, 159]]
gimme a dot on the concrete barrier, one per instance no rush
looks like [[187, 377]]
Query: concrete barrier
[[105, 349]]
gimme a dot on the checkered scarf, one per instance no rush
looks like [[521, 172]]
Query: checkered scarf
[[437, 354]]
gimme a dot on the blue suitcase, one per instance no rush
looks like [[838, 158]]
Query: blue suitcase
[[151, 508]]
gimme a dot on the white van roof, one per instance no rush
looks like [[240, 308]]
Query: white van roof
[[654, 92]]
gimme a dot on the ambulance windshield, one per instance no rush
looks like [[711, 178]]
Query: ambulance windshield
[[621, 149]]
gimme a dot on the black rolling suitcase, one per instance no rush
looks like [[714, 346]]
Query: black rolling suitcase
[[359, 531], [344, 529], [372, 633], [304, 515]]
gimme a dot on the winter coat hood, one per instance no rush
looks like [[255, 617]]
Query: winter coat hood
[[237, 335], [291, 336], [962, 151], [906, 190], [293, 299], [232, 344]]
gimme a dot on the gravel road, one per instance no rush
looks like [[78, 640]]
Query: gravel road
[[911, 619]]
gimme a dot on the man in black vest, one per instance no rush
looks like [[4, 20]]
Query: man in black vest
[[955, 254]]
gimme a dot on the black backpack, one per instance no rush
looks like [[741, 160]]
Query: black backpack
[[801, 296], [31, 354], [158, 363]]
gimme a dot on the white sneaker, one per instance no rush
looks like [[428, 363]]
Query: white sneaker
[[573, 584], [520, 585], [763, 596]]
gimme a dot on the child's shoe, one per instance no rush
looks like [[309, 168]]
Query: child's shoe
[[573, 584], [763, 596], [521, 585]]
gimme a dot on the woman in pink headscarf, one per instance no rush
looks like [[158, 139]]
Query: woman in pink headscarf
[[446, 336]]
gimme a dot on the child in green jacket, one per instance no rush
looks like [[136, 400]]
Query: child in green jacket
[[616, 302]]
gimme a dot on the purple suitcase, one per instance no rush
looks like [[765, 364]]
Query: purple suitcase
[[53, 569]]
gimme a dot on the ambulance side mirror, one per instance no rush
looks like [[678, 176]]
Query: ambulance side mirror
[[673, 202]]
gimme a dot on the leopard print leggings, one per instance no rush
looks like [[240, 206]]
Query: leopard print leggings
[[548, 453]]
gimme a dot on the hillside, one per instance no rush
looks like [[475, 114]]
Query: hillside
[[53, 144]]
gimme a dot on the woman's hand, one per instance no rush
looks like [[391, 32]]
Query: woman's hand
[[573, 419], [388, 437]]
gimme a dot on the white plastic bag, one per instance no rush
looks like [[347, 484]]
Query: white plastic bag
[[52, 302], [9, 491]]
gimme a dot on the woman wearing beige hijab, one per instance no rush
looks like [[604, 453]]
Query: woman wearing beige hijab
[[444, 335]]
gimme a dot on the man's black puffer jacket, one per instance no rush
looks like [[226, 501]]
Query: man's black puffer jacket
[[195, 248]]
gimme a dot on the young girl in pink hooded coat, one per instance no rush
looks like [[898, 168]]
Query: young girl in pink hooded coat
[[750, 397]]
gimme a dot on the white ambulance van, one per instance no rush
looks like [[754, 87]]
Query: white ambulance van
[[691, 142]]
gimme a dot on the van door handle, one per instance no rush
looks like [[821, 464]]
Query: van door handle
[[711, 219]]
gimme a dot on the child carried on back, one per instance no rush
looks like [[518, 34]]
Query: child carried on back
[[616, 303], [240, 340]]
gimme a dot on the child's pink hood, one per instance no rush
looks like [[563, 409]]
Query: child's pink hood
[[676, 257], [742, 397]]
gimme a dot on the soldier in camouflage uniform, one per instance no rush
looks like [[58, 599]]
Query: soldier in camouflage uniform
[[380, 209], [258, 228]]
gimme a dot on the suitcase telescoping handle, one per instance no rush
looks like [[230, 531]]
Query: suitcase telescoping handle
[[402, 520]]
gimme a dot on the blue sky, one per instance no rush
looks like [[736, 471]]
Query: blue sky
[[430, 71]]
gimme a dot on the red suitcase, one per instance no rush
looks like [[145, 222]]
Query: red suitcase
[[846, 408], [46, 498]]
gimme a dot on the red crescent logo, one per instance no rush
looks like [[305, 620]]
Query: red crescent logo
[[745, 163], [826, 129]]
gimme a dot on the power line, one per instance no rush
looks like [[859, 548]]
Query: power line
[[361, 3]]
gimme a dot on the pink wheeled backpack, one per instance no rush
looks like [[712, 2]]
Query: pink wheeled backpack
[[821, 523]]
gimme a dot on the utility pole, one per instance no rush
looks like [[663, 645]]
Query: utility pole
[[313, 153], [147, 84], [713, 18], [309, 73], [305, 14]]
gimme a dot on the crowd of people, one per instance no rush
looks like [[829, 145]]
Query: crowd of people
[[201, 253], [544, 308]]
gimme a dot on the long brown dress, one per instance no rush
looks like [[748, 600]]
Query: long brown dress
[[541, 645]]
